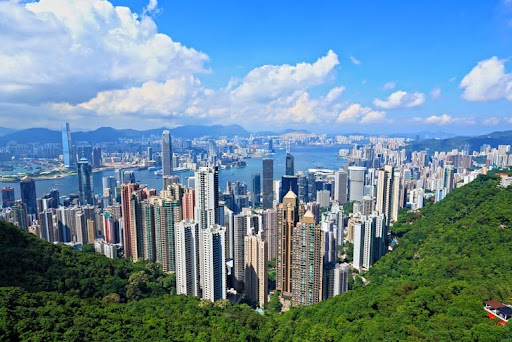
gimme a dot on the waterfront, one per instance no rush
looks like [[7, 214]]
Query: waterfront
[[305, 158]]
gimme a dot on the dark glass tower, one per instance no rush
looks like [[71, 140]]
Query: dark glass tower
[[256, 189], [290, 165], [85, 182], [28, 195], [268, 177]]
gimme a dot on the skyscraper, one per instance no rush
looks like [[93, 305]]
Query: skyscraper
[[187, 258], [388, 193], [356, 182], [340, 186], [85, 182], [212, 262], [307, 261], [288, 214], [256, 189], [28, 195], [66, 146], [290, 165], [448, 178], [256, 269], [369, 240], [244, 223], [96, 157], [8, 197], [166, 153], [126, 193], [288, 183], [207, 210], [268, 177]]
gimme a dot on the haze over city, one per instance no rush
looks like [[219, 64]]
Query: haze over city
[[369, 67]]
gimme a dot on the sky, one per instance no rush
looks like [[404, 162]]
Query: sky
[[326, 66]]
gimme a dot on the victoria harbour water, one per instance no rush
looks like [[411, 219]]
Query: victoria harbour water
[[308, 157]]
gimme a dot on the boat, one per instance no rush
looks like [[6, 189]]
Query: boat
[[159, 172]]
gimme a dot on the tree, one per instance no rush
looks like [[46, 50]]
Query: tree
[[274, 304]]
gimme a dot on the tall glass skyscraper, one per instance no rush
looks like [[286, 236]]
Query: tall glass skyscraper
[[28, 195], [290, 165], [166, 154], [268, 177], [256, 189], [85, 182], [66, 145]]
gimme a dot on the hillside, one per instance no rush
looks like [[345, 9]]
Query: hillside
[[494, 139], [109, 134], [450, 257]]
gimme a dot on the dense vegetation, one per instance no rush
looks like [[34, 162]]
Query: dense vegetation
[[449, 258]]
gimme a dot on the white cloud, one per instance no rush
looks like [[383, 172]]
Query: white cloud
[[435, 93], [68, 50], [452, 79], [400, 99], [357, 113], [151, 7], [439, 120], [492, 121], [487, 81], [354, 60], [389, 85]]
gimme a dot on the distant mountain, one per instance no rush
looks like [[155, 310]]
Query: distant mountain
[[5, 130], [109, 134], [494, 139]]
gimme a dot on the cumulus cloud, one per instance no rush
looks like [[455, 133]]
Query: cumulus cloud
[[357, 113], [68, 50], [487, 81], [445, 119], [435, 93], [492, 121], [389, 85], [354, 60], [400, 99]]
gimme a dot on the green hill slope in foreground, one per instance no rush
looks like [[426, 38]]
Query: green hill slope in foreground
[[450, 257]]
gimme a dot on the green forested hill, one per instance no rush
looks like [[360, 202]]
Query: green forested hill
[[450, 257]]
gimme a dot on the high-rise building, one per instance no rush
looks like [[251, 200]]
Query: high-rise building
[[244, 223], [166, 153], [268, 177], [66, 146], [187, 258], [150, 153], [8, 197], [307, 261], [290, 165], [448, 178], [109, 188], [126, 194], [85, 182], [356, 182], [207, 209], [28, 195], [368, 205], [256, 189], [188, 204], [370, 234], [96, 157], [128, 177], [340, 186], [335, 279], [47, 230], [256, 269], [212, 262], [388, 193], [270, 231], [288, 214], [85, 151], [19, 215], [288, 183]]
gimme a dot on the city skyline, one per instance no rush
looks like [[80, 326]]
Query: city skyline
[[373, 68]]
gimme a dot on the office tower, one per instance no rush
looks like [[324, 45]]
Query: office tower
[[356, 182], [187, 254], [150, 153], [207, 210], [335, 280], [270, 145], [268, 177], [288, 214], [19, 215], [85, 151], [66, 146], [256, 270], [307, 261], [340, 186], [119, 176], [96, 157], [288, 183], [109, 187], [244, 223], [290, 165], [212, 262], [188, 204], [166, 153], [448, 178], [28, 195], [129, 177], [8, 197], [270, 231], [303, 187], [85, 182], [323, 198], [388, 193], [256, 189], [276, 192]]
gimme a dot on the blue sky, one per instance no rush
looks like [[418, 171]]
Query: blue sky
[[421, 51]]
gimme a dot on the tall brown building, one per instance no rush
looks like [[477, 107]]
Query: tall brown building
[[307, 261], [256, 269], [288, 214]]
